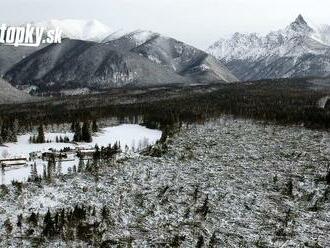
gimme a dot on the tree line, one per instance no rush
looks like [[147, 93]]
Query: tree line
[[285, 101]]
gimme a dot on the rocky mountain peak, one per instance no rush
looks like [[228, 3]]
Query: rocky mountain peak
[[301, 49], [300, 20], [300, 25]]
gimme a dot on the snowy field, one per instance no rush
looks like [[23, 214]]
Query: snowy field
[[129, 135], [21, 173], [135, 137], [229, 183]]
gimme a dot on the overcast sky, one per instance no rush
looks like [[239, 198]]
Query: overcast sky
[[197, 22]]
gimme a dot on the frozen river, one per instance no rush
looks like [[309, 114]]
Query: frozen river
[[135, 137]]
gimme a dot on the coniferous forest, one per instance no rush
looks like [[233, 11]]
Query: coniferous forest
[[284, 101]]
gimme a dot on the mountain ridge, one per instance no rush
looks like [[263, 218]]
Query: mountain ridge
[[126, 61], [295, 51]]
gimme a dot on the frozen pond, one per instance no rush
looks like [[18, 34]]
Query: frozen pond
[[135, 137]]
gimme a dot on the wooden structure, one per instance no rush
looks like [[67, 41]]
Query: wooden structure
[[8, 162]]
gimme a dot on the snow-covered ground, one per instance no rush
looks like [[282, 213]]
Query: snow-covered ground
[[129, 135], [135, 137], [23, 148], [228, 183], [22, 173]]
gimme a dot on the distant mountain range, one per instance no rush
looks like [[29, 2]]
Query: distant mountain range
[[299, 50], [94, 57], [139, 58]]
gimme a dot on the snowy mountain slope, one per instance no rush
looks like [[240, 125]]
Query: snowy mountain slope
[[296, 51], [324, 33], [77, 64], [183, 59], [10, 55], [136, 38], [115, 35], [9, 94], [90, 30], [138, 58]]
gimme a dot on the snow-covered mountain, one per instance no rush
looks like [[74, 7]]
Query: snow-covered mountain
[[175, 55], [140, 58], [94, 57], [298, 50], [138, 36], [90, 30]]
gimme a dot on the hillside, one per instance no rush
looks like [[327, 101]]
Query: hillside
[[9, 94], [132, 60]]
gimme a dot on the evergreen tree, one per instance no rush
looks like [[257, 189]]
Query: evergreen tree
[[14, 128], [95, 127], [33, 219], [51, 168], [56, 221], [8, 226], [77, 132], [105, 213], [34, 172], [19, 221], [4, 132], [81, 165], [11, 136], [44, 174], [9, 131], [86, 132], [41, 135], [200, 242], [73, 126], [213, 240], [62, 220], [48, 229], [97, 153]]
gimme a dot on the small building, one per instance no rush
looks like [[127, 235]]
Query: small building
[[54, 155], [8, 162], [85, 153]]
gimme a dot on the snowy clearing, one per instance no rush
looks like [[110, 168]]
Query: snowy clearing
[[135, 137]]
